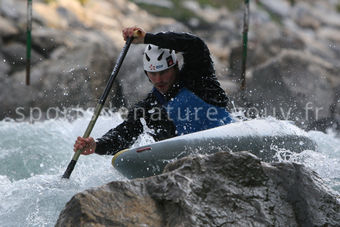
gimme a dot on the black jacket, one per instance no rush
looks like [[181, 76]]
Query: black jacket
[[197, 74]]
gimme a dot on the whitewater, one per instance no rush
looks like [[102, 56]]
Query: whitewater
[[33, 157]]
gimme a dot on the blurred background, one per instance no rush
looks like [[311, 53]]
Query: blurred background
[[293, 73], [293, 67]]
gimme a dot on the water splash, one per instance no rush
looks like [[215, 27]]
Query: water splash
[[325, 160], [33, 158]]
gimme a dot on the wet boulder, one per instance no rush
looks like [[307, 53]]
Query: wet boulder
[[217, 190], [293, 86]]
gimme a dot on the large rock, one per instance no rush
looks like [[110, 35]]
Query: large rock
[[332, 19], [280, 8], [15, 55], [4, 66], [73, 76], [224, 189], [14, 10], [7, 28], [333, 120], [293, 86], [46, 40], [105, 16], [302, 14], [262, 47]]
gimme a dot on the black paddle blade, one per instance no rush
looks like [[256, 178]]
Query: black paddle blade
[[69, 169]]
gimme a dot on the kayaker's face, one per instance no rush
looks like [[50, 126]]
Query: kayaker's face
[[163, 80]]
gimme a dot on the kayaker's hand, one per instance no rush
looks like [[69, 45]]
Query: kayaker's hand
[[136, 32], [87, 145]]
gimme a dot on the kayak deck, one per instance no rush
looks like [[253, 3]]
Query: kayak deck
[[262, 141]]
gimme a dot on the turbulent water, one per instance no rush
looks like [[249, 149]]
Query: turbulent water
[[33, 158]]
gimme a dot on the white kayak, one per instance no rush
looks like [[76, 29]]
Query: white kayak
[[263, 138]]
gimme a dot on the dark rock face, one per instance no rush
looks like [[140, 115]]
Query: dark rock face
[[264, 47], [224, 189], [81, 78], [331, 122], [293, 86]]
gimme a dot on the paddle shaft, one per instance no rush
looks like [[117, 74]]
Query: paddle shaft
[[28, 41], [245, 45], [99, 106]]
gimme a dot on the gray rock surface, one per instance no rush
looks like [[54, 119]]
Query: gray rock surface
[[7, 28], [223, 189], [4, 67], [271, 46], [294, 86], [74, 50], [61, 27], [15, 56]]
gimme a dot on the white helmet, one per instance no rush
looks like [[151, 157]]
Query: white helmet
[[157, 59]]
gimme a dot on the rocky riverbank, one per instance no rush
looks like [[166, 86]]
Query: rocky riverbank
[[293, 72], [74, 48], [223, 189]]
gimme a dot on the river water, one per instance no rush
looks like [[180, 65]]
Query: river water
[[33, 157]]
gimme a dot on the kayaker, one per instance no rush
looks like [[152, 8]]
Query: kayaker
[[183, 100]]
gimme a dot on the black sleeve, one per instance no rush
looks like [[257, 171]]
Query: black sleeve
[[197, 72], [121, 137]]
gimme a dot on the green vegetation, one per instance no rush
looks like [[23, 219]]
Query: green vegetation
[[338, 7], [181, 13], [178, 11], [82, 2], [274, 17], [230, 4]]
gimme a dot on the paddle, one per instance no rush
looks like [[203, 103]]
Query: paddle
[[100, 104], [244, 47]]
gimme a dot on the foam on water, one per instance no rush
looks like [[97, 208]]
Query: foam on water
[[325, 160], [33, 158]]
